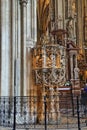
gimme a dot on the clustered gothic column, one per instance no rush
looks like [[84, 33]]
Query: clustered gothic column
[[31, 42], [59, 13], [6, 47], [28, 49], [9, 47], [12, 53], [0, 48], [34, 20], [17, 49], [23, 5]]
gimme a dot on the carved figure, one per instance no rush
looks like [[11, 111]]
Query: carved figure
[[69, 28], [76, 72]]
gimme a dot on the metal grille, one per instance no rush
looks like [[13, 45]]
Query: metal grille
[[53, 112]]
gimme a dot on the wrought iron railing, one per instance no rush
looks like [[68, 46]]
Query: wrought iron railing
[[54, 112]]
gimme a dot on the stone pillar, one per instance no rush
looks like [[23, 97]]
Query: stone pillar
[[16, 39], [28, 49], [80, 25], [31, 41], [29, 20], [30, 83], [56, 8], [0, 48], [6, 47], [59, 13], [76, 69], [34, 19], [23, 8], [76, 60], [71, 64], [74, 29], [13, 42]]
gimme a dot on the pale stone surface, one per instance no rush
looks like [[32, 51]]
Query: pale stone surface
[[6, 49], [11, 43], [23, 6]]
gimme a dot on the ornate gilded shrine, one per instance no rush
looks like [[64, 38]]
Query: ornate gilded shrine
[[46, 64], [49, 65], [46, 69]]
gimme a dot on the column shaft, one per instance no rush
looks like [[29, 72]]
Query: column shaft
[[34, 19], [23, 4], [5, 47], [71, 64], [0, 48], [16, 44]]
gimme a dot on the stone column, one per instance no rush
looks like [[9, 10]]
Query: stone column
[[29, 20], [71, 64], [0, 48], [17, 50], [23, 8], [76, 60], [76, 69], [56, 8], [6, 47], [80, 25], [34, 20], [31, 41], [74, 28], [13, 42], [28, 51], [59, 12], [30, 83]]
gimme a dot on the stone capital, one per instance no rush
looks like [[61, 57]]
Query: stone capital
[[23, 1]]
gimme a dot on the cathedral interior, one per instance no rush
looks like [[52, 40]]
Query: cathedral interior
[[43, 47]]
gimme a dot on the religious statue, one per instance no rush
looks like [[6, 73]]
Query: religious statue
[[69, 28], [76, 72]]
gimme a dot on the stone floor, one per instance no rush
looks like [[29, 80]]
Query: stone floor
[[2, 128]]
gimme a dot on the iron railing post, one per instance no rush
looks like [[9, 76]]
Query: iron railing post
[[45, 119], [78, 114], [14, 121]]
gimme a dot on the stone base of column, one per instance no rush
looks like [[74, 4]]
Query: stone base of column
[[76, 89], [54, 118]]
